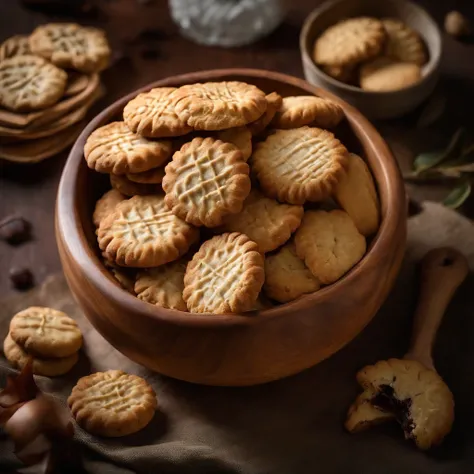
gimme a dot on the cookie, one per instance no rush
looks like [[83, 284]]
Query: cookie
[[106, 205], [224, 276], [113, 148], [265, 221], [129, 188], [356, 194], [163, 286], [241, 137], [71, 46], [349, 42], [219, 105], [403, 43], [112, 403], [76, 83], [341, 73], [417, 397], [274, 102], [143, 232], [384, 75], [30, 83], [49, 367], [153, 114], [153, 176], [206, 180], [299, 165], [303, 110], [17, 45], [329, 243], [46, 332]]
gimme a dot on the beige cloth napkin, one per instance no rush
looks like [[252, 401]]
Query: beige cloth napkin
[[293, 426]]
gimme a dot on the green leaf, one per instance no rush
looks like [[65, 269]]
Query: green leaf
[[458, 195]]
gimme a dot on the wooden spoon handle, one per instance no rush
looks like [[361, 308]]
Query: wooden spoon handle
[[442, 271]]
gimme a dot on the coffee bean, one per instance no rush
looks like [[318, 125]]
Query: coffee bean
[[15, 230], [22, 278]]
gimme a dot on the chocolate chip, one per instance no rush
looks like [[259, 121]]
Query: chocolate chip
[[14, 230], [22, 278]]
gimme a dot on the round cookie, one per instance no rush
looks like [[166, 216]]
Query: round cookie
[[206, 180], [71, 46], [349, 42], [112, 403], [106, 205], [153, 114], [143, 232], [241, 137], [329, 243], [30, 83], [274, 102], [17, 45], [299, 165], [46, 332], [130, 188], [113, 148], [153, 176], [286, 276], [219, 105], [224, 276], [49, 367], [303, 110], [265, 221]]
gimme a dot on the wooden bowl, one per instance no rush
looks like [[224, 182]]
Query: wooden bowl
[[231, 349], [376, 105]]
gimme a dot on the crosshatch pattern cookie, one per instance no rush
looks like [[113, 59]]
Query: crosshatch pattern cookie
[[68, 45], [163, 286], [224, 276], [329, 243], [112, 403], [286, 276], [153, 114], [143, 232], [303, 110], [17, 45], [30, 83], [240, 137], [349, 42], [106, 205], [113, 148], [265, 221], [274, 102], [219, 105], [299, 165], [130, 188], [206, 180], [153, 176], [46, 332]]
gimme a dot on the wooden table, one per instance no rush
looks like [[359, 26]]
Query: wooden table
[[147, 47]]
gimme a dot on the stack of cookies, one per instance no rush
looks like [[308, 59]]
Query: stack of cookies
[[377, 55], [48, 82], [49, 337], [209, 184]]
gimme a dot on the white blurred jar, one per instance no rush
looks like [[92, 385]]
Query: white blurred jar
[[227, 22]]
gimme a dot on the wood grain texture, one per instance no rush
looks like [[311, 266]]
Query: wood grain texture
[[232, 349]]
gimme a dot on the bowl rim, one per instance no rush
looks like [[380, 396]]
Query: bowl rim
[[428, 70], [68, 220]]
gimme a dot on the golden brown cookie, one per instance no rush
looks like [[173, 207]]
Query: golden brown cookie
[[143, 232], [77, 83], [30, 83], [265, 221], [329, 243], [49, 367], [113, 148], [241, 137], [418, 397], [163, 286], [112, 403], [286, 275], [299, 165], [46, 332], [297, 111], [152, 114], [224, 276], [17, 45], [219, 105], [274, 102], [106, 205], [403, 43], [130, 188], [356, 194], [349, 42], [384, 75], [68, 45], [153, 176], [206, 181]]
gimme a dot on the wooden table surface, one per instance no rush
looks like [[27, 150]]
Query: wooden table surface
[[148, 46]]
